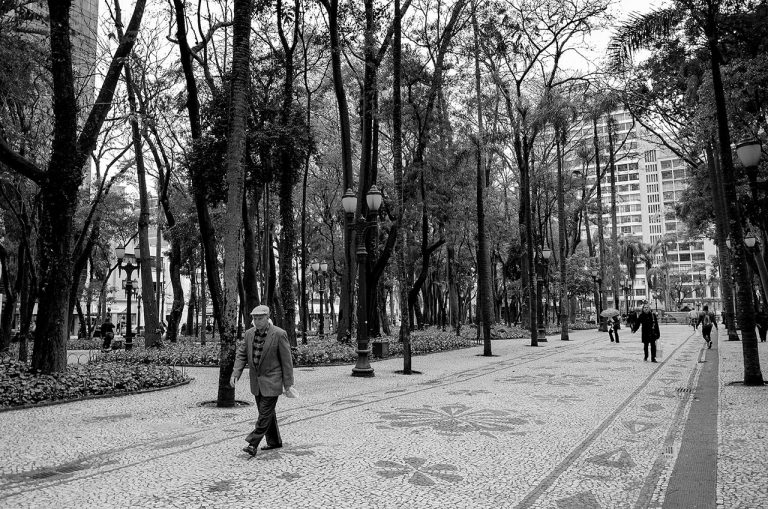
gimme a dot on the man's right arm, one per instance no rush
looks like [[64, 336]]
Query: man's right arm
[[241, 358]]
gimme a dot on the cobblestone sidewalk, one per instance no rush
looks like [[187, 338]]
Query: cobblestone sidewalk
[[584, 423]]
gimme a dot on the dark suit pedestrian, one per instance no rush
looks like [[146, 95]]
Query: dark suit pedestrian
[[267, 354], [707, 320], [647, 321]]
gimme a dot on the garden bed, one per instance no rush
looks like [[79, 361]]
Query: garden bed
[[317, 352], [21, 386]]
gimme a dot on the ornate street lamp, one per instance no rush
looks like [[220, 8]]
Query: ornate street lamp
[[599, 304], [625, 285], [373, 200], [131, 264], [319, 270]]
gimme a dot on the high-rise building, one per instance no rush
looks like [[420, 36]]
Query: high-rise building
[[650, 179]]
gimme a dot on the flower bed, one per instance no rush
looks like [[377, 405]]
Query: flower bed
[[187, 352], [20, 385]]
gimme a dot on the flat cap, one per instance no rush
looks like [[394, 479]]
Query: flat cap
[[260, 310]]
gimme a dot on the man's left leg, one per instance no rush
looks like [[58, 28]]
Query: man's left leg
[[274, 440], [266, 409]]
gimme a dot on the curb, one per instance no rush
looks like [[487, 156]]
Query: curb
[[93, 396]]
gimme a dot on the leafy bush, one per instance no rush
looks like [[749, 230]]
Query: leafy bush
[[171, 354], [186, 352], [21, 385]]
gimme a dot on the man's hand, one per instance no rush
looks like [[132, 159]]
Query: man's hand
[[232, 382], [289, 392]]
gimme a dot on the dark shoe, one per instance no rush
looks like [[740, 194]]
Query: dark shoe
[[251, 449], [617, 340], [270, 447], [653, 360], [710, 345]]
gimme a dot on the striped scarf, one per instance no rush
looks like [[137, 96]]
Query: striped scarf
[[258, 346]]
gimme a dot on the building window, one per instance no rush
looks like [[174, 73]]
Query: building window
[[650, 157]]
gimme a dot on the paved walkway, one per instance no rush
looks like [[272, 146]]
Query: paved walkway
[[579, 424]]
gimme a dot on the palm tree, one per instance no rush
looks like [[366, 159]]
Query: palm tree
[[703, 17], [631, 251]]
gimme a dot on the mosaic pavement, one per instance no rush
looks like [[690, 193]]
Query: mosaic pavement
[[579, 424]]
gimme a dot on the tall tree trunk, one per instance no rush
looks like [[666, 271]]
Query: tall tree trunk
[[483, 252], [192, 304], [560, 140], [286, 180], [615, 267], [250, 258], [238, 112], [746, 310], [10, 294], [721, 232], [600, 232], [207, 231], [151, 322], [345, 319], [203, 300], [60, 184]]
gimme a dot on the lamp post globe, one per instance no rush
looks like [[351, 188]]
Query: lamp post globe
[[749, 152]]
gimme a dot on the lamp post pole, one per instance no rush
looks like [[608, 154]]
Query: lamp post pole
[[544, 282], [626, 295], [128, 267], [137, 296], [349, 202]]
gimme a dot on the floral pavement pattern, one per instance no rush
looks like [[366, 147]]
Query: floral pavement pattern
[[454, 420], [418, 472]]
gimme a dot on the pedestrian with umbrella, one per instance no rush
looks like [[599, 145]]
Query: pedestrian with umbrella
[[614, 323]]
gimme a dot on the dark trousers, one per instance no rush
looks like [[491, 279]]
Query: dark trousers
[[653, 350], [107, 340], [706, 331], [266, 424], [611, 333]]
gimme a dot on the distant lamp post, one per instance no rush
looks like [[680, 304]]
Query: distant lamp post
[[546, 253], [625, 285], [599, 304], [319, 269], [131, 264], [373, 200]]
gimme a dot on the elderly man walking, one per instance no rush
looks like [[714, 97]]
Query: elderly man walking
[[266, 352]]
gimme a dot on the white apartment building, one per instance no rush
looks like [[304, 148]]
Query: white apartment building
[[650, 179]]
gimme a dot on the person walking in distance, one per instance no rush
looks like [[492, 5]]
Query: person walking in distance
[[649, 324], [707, 320], [614, 324], [693, 318], [107, 334], [267, 354]]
